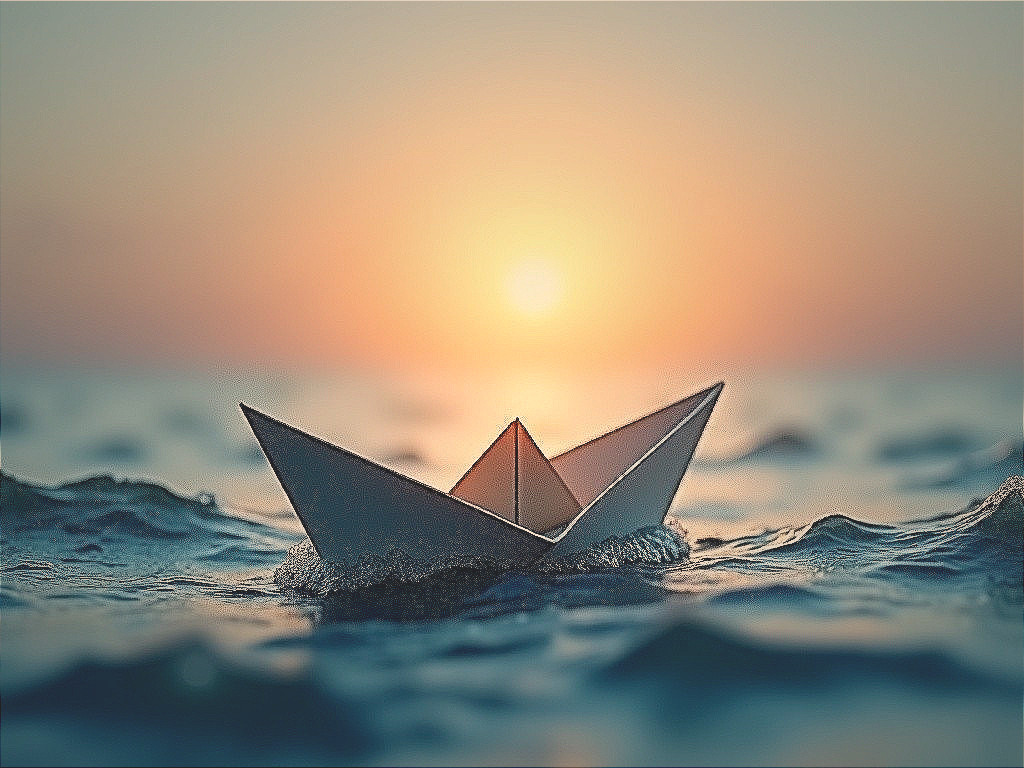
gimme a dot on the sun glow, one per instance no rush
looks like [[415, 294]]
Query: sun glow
[[533, 287]]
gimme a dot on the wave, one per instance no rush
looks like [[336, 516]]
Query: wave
[[100, 515], [304, 571], [117, 449], [935, 444], [184, 693], [101, 522], [982, 542], [396, 587], [983, 545], [652, 546], [782, 444], [830, 534], [694, 664], [13, 419], [977, 468], [777, 596]]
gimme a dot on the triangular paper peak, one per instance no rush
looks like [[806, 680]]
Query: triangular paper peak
[[545, 503], [491, 481], [515, 480]]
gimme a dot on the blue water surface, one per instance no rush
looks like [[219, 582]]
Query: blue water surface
[[839, 582]]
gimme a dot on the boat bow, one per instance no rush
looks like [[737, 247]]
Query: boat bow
[[353, 508]]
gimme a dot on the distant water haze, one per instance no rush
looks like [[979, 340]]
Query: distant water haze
[[778, 446]]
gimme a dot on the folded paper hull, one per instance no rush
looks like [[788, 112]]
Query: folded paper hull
[[353, 508]]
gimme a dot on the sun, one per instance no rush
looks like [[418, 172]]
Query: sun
[[533, 287]]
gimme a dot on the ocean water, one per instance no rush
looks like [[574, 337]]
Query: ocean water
[[839, 580]]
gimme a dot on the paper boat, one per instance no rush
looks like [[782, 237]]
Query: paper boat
[[512, 504]]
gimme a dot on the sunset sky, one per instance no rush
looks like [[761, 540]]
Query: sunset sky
[[468, 184]]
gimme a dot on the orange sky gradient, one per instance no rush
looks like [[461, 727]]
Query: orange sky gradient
[[681, 184]]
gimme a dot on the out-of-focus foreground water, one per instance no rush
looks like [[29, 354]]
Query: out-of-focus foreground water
[[849, 592]]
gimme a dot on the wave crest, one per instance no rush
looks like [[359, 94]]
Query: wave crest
[[655, 545], [101, 513], [100, 503], [305, 571], [980, 547]]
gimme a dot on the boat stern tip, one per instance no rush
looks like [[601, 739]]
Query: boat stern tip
[[259, 422], [248, 411], [713, 392]]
